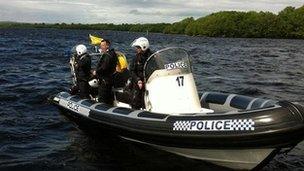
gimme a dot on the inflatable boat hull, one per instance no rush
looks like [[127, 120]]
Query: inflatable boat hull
[[238, 139]]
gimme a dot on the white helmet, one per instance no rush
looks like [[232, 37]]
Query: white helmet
[[93, 83], [81, 49], [142, 42]]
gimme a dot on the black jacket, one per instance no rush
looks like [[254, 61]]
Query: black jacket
[[106, 66], [83, 67], [137, 65]]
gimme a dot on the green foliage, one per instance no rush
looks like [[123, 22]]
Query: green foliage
[[289, 23], [292, 22], [221, 24], [178, 27], [156, 28]]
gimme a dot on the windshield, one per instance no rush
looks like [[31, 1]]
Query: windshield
[[172, 61]]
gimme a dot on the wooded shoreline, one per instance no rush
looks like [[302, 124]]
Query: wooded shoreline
[[288, 23]]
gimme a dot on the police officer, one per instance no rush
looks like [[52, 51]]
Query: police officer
[[82, 67], [104, 71], [143, 52]]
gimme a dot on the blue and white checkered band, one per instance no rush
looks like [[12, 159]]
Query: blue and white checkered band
[[215, 125]]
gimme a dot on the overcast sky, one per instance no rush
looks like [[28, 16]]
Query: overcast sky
[[128, 11]]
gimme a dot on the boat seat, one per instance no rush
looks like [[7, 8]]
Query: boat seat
[[233, 101], [122, 95]]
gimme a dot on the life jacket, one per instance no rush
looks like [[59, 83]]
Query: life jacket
[[122, 62]]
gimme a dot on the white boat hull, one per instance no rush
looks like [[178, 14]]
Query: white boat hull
[[239, 159]]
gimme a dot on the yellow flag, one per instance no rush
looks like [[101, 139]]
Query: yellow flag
[[95, 40]]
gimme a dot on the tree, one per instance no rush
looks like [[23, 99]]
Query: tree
[[178, 27]]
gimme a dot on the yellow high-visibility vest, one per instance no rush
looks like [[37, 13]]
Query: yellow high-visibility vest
[[122, 63]]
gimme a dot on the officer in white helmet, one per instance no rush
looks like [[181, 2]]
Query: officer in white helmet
[[82, 68], [143, 52]]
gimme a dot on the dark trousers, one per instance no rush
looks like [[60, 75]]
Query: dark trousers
[[83, 89], [138, 99], [105, 93], [120, 78]]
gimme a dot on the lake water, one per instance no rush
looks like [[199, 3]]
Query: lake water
[[34, 65]]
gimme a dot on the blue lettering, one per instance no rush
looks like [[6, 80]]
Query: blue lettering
[[192, 124], [200, 125], [206, 126], [73, 106], [172, 66], [218, 125], [227, 125]]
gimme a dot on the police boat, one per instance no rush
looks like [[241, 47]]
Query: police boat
[[229, 130]]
